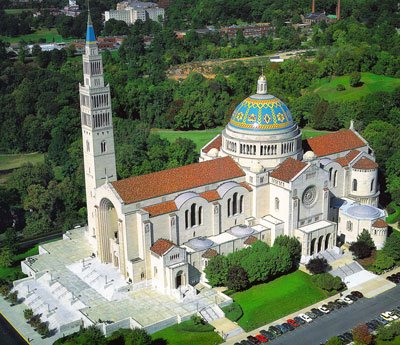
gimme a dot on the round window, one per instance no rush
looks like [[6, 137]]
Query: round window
[[309, 196]]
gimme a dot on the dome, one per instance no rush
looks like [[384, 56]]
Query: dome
[[256, 168], [364, 212], [200, 243], [241, 230], [213, 152], [309, 155], [260, 113]]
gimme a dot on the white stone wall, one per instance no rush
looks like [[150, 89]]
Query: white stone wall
[[365, 180]]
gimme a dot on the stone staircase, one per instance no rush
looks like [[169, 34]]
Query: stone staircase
[[330, 255], [347, 270], [211, 313]]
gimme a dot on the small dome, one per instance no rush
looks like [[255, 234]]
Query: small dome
[[364, 212], [262, 78], [200, 243], [309, 156], [241, 230], [213, 152], [256, 168]]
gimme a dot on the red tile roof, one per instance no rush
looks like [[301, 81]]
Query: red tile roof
[[138, 188], [161, 208], [288, 169], [209, 253], [379, 223], [344, 161], [336, 142], [216, 143], [251, 240], [161, 246], [246, 185], [210, 195], [365, 164]]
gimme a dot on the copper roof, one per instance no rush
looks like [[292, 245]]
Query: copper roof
[[365, 163], [336, 142], [138, 188], [209, 253], [251, 240], [379, 223], [344, 161], [288, 169], [216, 143], [161, 208], [161, 246]]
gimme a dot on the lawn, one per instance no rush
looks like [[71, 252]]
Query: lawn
[[185, 334], [13, 161], [50, 35], [326, 87], [311, 133], [17, 10], [10, 272], [395, 341], [267, 302]]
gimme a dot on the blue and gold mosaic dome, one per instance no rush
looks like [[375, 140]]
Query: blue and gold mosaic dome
[[261, 112]]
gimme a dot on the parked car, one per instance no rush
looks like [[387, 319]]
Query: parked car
[[262, 338], [299, 320], [324, 309], [332, 306], [268, 334], [381, 320], [288, 326], [311, 314], [245, 342], [293, 323], [343, 339], [341, 302], [317, 312], [389, 316], [275, 330], [253, 340], [348, 336], [306, 318], [347, 300], [283, 328], [358, 294], [396, 312], [353, 298]]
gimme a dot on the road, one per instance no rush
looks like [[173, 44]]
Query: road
[[8, 335], [342, 320]]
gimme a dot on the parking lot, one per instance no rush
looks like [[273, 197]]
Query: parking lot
[[340, 321]]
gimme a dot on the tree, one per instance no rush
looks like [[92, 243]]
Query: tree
[[293, 245], [334, 341], [355, 79], [217, 270], [361, 335], [360, 250], [392, 246], [383, 261], [6, 257], [327, 282], [43, 329], [13, 297], [134, 336], [28, 313], [318, 265], [365, 237], [387, 333], [340, 87], [237, 278]]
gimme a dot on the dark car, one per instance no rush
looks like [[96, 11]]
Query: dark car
[[352, 297], [299, 320], [371, 326], [348, 336], [268, 334], [381, 320], [288, 326], [311, 314], [358, 294], [253, 340], [283, 328], [331, 305], [275, 330], [343, 339], [245, 342], [337, 304], [340, 301], [317, 312]]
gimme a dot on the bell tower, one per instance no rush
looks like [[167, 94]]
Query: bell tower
[[97, 127]]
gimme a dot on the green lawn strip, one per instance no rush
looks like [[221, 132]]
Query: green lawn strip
[[10, 272], [267, 302], [395, 341], [372, 83], [200, 137], [50, 35], [12, 161], [17, 10], [186, 333], [311, 133]]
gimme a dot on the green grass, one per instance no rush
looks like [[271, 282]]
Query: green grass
[[395, 341], [267, 302], [17, 10], [11, 272], [13, 161], [183, 334], [50, 35], [311, 133], [326, 88], [394, 217], [200, 138]]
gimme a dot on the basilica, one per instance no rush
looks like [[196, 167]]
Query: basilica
[[255, 181]]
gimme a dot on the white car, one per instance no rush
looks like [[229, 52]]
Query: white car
[[389, 316], [305, 317], [347, 300], [323, 309]]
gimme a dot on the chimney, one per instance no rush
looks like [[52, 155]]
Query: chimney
[[338, 10], [313, 7]]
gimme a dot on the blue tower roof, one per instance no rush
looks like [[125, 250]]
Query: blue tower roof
[[90, 36]]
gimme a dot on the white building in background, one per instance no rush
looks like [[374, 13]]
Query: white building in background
[[130, 12]]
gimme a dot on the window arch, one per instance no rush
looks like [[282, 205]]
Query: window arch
[[372, 185], [103, 146], [276, 204], [241, 204], [335, 178], [186, 219], [234, 204], [87, 146], [354, 185], [193, 215], [229, 207], [330, 174], [200, 215]]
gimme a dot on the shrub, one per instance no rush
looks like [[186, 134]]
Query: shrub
[[35, 321], [237, 279], [392, 246], [340, 87], [383, 261], [389, 332], [334, 341], [390, 209], [13, 297], [355, 79], [197, 320], [28, 313], [233, 311], [361, 335], [5, 289], [365, 237], [43, 329], [360, 250], [327, 282], [317, 265]]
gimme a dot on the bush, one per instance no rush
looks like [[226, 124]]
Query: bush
[[43, 329], [317, 265], [392, 246], [340, 87], [35, 321], [233, 311], [28, 313], [360, 250], [5, 289], [334, 341], [383, 261], [355, 79], [327, 282], [390, 209], [361, 335], [190, 326], [390, 332], [13, 297], [237, 279]]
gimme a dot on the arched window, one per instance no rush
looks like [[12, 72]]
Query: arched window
[[276, 204], [335, 179], [229, 207], [87, 146], [241, 204], [234, 204], [200, 211], [103, 146], [330, 174], [354, 185], [193, 215], [186, 219], [372, 185]]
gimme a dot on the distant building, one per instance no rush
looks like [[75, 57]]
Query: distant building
[[256, 30], [131, 11], [314, 18]]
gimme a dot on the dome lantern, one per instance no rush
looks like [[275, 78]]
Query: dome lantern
[[262, 85]]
